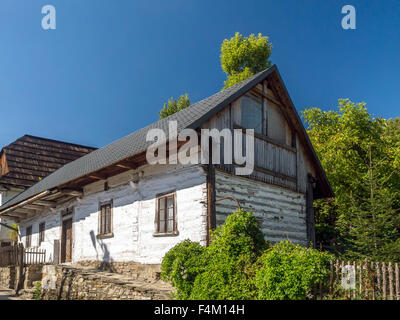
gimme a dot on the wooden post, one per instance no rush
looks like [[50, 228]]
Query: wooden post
[[373, 280], [331, 280], [366, 279], [360, 278], [384, 280], [397, 281], [337, 270], [355, 281], [391, 289], [349, 293], [378, 278], [341, 271]]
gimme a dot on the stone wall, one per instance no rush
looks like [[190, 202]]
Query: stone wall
[[9, 275], [71, 283], [134, 270]]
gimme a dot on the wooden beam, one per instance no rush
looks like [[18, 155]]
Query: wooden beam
[[275, 174], [45, 203], [34, 206], [127, 165], [76, 192], [65, 199], [11, 217], [24, 211], [97, 177], [268, 139]]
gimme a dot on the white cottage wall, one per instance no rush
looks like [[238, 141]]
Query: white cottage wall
[[133, 216]]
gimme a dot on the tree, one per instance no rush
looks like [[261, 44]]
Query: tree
[[360, 155], [242, 57], [174, 106]]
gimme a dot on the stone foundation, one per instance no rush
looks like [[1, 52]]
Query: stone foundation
[[9, 275], [72, 283], [92, 280], [135, 270]]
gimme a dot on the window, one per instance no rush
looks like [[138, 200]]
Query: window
[[105, 219], [166, 215], [42, 227], [28, 241], [252, 113]]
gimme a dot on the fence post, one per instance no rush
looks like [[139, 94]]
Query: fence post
[[331, 280], [384, 280], [20, 270], [391, 289], [378, 276], [397, 281], [366, 279], [373, 280], [360, 278], [355, 280]]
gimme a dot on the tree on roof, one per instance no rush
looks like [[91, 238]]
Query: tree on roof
[[243, 57], [174, 106]]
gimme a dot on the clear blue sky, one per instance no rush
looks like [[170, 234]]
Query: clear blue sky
[[110, 65]]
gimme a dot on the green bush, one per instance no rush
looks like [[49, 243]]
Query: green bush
[[288, 271], [181, 265], [239, 264], [234, 248], [37, 295]]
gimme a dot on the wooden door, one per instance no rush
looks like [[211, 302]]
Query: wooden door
[[66, 241]]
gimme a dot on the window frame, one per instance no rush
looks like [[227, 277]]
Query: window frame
[[102, 233], [258, 99], [41, 232], [157, 224], [28, 236]]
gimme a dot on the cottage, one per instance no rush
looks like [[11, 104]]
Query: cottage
[[27, 160], [113, 206]]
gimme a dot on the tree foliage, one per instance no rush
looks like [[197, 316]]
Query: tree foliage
[[237, 265], [242, 57], [360, 155], [14, 233], [173, 106]]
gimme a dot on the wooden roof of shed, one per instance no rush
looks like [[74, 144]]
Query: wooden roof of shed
[[30, 159]]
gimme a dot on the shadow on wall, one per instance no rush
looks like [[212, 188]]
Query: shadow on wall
[[106, 260]]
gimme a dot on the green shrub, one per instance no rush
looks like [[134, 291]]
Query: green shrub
[[181, 265], [224, 269], [289, 271], [37, 295], [234, 247], [239, 264], [239, 235]]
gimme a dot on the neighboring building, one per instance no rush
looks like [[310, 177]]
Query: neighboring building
[[28, 160], [112, 206]]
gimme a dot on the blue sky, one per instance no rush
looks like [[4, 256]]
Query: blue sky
[[110, 65]]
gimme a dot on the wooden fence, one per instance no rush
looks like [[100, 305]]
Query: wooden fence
[[365, 280], [17, 255]]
